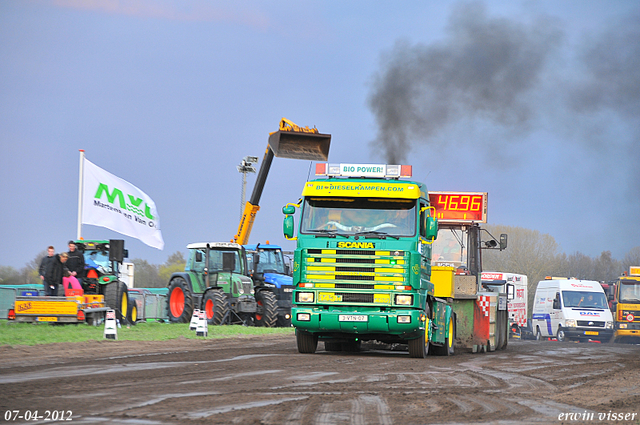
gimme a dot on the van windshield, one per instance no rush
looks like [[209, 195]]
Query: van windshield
[[584, 299]]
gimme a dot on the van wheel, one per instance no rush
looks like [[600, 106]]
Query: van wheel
[[561, 336], [538, 334]]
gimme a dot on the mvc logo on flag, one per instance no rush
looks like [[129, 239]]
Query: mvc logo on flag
[[108, 201]]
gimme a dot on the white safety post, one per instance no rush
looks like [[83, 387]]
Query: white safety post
[[194, 320], [110, 325]]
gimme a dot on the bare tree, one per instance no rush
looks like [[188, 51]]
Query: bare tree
[[146, 275], [528, 252]]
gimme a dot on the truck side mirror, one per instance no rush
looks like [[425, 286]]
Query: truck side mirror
[[287, 226], [288, 210], [503, 241], [511, 291], [556, 302], [228, 261], [431, 229]]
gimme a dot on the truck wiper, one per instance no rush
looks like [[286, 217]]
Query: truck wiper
[[328, 233], [375, 234]]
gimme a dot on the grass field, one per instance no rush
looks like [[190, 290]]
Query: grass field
[[43, 333]]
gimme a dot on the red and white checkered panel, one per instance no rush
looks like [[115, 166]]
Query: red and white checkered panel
[[484, 303]]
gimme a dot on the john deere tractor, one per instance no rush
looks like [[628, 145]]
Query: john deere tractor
[[103, 259], [215, 280]]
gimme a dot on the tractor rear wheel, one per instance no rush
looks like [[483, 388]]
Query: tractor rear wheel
[[116, 296], [179, 301], [268, 305], [216, 306]]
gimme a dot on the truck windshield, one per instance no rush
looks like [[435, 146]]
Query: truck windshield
[[584, 299], [351, 216], [630, 292], [271, 261]]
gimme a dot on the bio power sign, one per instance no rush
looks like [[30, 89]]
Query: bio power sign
[[108, 201]]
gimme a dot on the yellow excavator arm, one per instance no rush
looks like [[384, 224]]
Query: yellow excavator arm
[[290, 141]]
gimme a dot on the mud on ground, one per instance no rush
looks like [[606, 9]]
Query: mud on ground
[[264, 380]]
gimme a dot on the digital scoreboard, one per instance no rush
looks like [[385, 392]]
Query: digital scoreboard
[[459, 207]]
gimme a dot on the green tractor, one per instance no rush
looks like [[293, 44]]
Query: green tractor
[[103, 259], [215, 280]]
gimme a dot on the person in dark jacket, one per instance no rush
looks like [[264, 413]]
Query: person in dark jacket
[[75, 264], [44, 266], [56, 272]]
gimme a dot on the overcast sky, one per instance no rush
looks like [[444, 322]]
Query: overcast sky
[[535, 102]]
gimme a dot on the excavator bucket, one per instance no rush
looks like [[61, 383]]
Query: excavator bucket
[[300, 145]]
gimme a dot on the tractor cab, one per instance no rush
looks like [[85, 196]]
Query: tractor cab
[[102, 259]]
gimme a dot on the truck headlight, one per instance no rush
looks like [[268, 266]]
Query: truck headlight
[[404, 319], [304, 297], [608, 325], [404, 299], [622, 325], [570, 323], [304, 317]]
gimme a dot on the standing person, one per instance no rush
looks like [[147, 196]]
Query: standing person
[[56, 272], [45, 264], [75, 264]]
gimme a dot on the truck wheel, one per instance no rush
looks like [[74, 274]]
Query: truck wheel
[[307, 342], [419, 347], [561, 337], [116, 297], [132, 313], [332, 346], [269, 305], [179, 301], [215, 306]]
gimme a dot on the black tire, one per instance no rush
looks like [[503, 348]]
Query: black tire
[[419, 347], [307, 342], [116, 296], [332, 346], [132, 313], [268, 303], [179, 301], [215, 306]]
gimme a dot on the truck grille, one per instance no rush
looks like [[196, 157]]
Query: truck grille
[[361, 276], [591, 323]]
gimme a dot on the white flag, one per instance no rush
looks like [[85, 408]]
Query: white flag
[[108, 201]]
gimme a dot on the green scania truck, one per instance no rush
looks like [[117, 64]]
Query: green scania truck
[[362, 265]]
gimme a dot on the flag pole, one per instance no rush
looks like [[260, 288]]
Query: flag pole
[[80, 194]]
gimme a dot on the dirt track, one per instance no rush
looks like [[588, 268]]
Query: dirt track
[[257, 380]]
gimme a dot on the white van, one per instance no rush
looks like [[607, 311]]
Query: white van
[[571, 309]]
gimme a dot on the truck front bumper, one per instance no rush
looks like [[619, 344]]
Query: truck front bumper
[[358, 321]]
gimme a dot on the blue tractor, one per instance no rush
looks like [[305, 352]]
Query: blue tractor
[[267, 266]]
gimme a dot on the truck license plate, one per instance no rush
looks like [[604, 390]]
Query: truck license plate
[[590, 333], [352, 318], [47, 319]]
